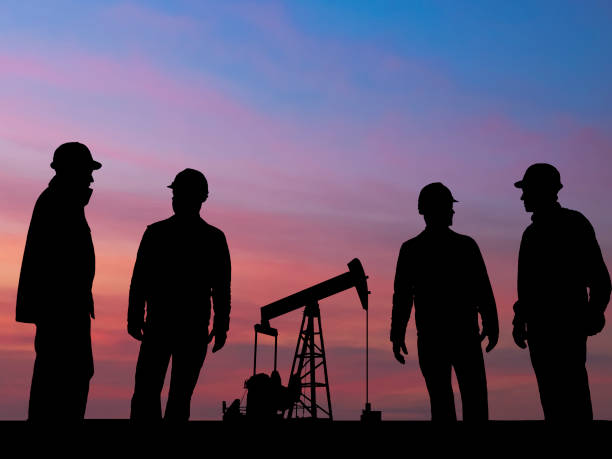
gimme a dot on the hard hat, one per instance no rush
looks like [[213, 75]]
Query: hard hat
[[190, 180], [434, 196], [74, 155], [542, 176]]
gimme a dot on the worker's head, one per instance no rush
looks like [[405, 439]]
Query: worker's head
[[189, 191], [541, 185], [436, 205], [73, 163]]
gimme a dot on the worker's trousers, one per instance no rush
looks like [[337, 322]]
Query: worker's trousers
[[559, 363], [437, 358], [187, 350], [62, 370]]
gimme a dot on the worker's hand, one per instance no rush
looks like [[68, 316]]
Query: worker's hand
[[135, 331], [398, 348], [492, 334], [219, 337], [594, 323], [519, 333]]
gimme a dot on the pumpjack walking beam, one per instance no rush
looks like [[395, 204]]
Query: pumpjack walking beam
[[355, 277]]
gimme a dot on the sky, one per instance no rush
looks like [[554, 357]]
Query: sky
[[316, 124]]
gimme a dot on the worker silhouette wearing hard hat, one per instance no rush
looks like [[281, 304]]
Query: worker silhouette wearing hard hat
[[54, 290], [563, 291], [182, 263], [444, 274]]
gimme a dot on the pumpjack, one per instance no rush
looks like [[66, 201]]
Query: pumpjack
[[308, 393]]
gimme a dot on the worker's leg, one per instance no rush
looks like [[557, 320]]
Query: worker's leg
[[471, 377], [559, 365], [81, 368], [81, 392], [579, 405], [73, 396], [43, 388], [435, 363], [543, 367], [62, 370], [151, 368], [188, 356]]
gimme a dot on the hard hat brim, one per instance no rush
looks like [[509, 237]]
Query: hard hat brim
[[93, 165]]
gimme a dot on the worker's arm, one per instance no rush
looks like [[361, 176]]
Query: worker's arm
[[598, 282], [402, 304], [32, 279], [485, 301], [519, 323], [137, 299], [221, 294]]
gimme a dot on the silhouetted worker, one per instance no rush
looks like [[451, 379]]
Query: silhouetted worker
[[54, 290], [559, 260], [182, 262], [444, 274]]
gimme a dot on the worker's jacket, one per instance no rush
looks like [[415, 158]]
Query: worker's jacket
[[58, 265], [182, 262], [559, 259], [444, 274]]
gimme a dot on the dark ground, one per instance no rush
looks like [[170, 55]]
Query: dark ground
[[323, 439]]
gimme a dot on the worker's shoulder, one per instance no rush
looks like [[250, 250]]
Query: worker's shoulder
[[566, 219], [424, 238], [465, 241], [462, 238], [170, 225], [577, 224], [575, 217], [47, 205], [213, 231], [47, 197], [529, 233], [413, 242], [161, 225]]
